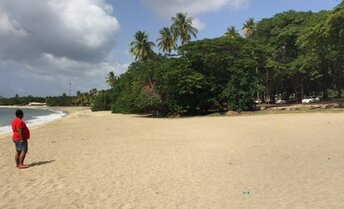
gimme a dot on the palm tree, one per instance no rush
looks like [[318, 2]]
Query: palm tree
[[141, 46], [93, 92], [182, 28], [248, 30], [232, 33], [249, 27], [111, 79], [167, 41]]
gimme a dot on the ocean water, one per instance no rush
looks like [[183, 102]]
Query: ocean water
[[31, 117]]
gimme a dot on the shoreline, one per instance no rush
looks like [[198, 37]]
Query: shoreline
[[57, 114]]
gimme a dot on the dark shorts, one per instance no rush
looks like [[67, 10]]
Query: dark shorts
[[21, 146]]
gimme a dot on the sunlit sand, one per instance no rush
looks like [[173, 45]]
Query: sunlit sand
[[104, 160]]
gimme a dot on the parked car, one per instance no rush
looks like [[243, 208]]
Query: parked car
[[310, 100], [281, 101]]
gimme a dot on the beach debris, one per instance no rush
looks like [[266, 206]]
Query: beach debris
[[294, 108], [312, 107], [325, 107], [231, 113]]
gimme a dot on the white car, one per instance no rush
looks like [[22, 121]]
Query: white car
[[281, 101], [310, 100]]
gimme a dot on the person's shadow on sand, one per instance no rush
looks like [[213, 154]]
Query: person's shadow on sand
[[40, 163]]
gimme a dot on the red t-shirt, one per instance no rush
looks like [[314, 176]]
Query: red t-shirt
[[19, 123]]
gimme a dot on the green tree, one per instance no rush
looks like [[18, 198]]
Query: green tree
[[228, 73], [111, 79], [249, 27], [141, 47], [232, 33], [335, 32], [182, 28], [132, 94], [314, 43], [142, 50], [284, 70], [291, 54], [103, 100], [166, 40]]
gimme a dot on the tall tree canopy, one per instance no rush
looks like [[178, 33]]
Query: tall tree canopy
[[141, 47], [166, 40], [291, 55], [183, 28], [111, 79], [249, 27], [232, 33]]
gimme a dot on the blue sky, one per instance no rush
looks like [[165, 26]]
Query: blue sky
[[49, 44], [134, 16]]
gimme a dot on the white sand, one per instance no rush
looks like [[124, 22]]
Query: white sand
[[102, 160]]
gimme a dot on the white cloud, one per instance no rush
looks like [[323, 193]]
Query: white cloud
[[87, 19], [10, 27], [51, 75], [199, 24], [168, 8], [77, 29], [52, 41], [238, 4]]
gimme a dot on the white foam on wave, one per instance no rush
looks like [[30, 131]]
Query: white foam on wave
[[45, 118], [36, 121], [5, 130]]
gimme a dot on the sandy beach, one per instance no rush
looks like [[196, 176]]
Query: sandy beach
[[104, 160]]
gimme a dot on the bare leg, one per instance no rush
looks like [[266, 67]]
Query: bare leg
[[22, 158], [17, 158]]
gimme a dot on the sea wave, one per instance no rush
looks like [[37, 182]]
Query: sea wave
[[37, 120], [45, 118], [5, 130]]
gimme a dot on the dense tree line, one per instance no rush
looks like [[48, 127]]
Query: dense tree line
[[16, 100], [81, 99], [289, 56], [306, 54]]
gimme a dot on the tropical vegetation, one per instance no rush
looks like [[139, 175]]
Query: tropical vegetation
[[80, 99], [290, 56]]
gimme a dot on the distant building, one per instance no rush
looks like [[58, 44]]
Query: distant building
[[37, 104]]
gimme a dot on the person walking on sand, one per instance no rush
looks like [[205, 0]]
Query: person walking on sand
[[20, 136]]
